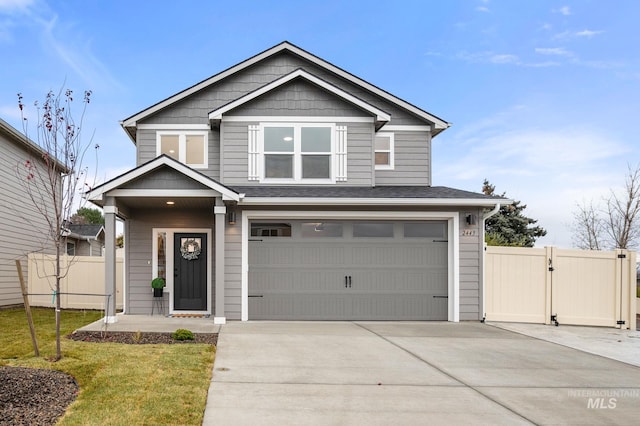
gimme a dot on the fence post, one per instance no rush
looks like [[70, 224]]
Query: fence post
[[548, 283], [633, 282]]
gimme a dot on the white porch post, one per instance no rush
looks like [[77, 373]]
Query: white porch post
[[110, 211], [219, 212]]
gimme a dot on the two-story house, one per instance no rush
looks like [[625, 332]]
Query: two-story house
[[285, 187]]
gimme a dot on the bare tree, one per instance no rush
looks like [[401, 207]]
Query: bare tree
[[53, 185], [616, 224], [622, 212], [588, 227]]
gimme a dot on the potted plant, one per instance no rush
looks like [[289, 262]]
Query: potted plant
[[157, 284]]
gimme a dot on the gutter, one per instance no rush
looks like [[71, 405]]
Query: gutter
[[490, 213]]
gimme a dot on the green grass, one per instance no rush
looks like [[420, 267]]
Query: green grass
[[119, 384]]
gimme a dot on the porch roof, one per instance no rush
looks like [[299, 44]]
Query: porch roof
[[344, 195]]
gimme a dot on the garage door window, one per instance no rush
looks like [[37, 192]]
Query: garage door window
[[425, 230], [322, 230], [373, 229], [271, 230]]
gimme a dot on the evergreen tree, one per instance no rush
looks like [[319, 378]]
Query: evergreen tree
[[510, 227]]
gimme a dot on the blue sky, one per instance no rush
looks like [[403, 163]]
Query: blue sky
[[542, 95]]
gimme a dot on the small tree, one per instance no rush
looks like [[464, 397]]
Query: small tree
[[52, 185], [616, 223], [510, 227]]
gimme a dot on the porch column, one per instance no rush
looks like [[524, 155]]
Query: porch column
[[219, 212], [110, 211]]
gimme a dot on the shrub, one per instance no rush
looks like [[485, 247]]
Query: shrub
[[182, 334]]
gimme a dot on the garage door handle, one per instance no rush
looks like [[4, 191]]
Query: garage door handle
[[349, 281], [346, 282], [440, 297], [256, 295]]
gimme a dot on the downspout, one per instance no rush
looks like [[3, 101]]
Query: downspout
[[486, 216]]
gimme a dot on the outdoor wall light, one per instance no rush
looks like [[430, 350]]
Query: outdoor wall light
[[231, 217], [471, 219]]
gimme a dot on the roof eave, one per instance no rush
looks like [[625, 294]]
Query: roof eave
[[342, 201]]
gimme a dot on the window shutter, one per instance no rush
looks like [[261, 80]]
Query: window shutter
[[253, 152], [341, 153]]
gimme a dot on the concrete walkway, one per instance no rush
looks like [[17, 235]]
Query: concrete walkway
[[156, 323], [357, 373]]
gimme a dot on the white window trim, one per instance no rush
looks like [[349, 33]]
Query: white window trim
[[391, 150], [182, 142], [297, 155]]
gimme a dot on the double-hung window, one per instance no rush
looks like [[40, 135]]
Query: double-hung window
[[297, 152], [384, 151], [188, 147]]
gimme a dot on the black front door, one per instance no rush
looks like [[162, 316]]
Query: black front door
[[190, 272]]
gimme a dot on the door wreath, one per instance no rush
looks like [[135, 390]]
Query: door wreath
[[190, 249]]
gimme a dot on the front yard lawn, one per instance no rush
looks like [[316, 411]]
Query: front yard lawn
[[120, 384]]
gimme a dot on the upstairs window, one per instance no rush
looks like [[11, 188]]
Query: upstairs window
[[297, 153], [189, 147], [384, 151]]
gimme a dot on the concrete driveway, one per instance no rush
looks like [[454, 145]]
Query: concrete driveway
[[275, 373]]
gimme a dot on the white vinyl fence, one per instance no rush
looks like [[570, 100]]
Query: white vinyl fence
[[81, 288], [550, 285]]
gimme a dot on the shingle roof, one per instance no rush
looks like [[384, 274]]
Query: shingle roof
[[434, 192], [85, 230]]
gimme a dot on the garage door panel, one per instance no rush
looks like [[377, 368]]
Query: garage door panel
[[305, 278]]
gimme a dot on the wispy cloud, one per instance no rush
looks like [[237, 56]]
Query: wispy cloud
[[490, 57], [564, 10], [577, 34], [554, 51], [12, 6], [484, 9]]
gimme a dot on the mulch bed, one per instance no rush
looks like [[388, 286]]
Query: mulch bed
[[31, 396]]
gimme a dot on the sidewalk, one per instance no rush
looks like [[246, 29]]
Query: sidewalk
[[620, 345]]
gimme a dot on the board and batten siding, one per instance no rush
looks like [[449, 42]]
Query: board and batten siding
[[139, 234], [22, 228], [235, 153], [412, 153]]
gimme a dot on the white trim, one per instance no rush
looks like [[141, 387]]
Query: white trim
[[341, 136], [253, 150], [170, 232], [145, 126], [177, 193], [100, 191], [297, 118], [297, 154], [452, 218], [220, 320], [110, 209], [367, 201], [391, 150], [404, 128], [131, 121], [219, 210], [182, 145], [381, 116]]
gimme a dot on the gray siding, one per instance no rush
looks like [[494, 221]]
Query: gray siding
[[22, 228], [146, 149], [195, 109], [412, 152], [89, 248], [233, 271], [299, 98], [139, 251], [470, 268], [235, 153]]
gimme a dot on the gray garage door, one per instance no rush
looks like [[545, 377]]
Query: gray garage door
[[348, 270]]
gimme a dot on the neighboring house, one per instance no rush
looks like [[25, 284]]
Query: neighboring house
[[287, 188], [23, 227], [85, 240]]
